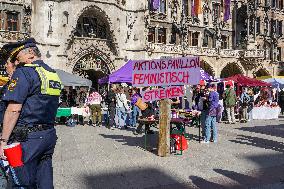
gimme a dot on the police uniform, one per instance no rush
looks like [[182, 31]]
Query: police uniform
[[37, 87]]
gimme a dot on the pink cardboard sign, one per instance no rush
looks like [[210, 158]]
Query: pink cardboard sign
[[166, 72], [163, 93]]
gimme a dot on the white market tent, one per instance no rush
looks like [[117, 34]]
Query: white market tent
[[69, 79], [276, 81]]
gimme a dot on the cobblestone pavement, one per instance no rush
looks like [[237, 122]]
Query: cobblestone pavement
[[247, 155]]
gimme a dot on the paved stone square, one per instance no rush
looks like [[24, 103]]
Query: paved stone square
[[249, 155]]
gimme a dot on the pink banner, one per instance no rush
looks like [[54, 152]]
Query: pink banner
[[166, 72], [163, 93]]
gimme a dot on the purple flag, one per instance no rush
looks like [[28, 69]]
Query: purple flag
[[227, 11], [156, 4]]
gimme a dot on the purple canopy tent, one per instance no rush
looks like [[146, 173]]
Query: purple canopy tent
[[124, 75]]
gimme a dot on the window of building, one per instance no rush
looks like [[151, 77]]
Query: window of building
[[1, 20], [194, 38], [273, 3], [256, 3], [185, 7], [280, 28], [151, 35], [279, 4], [158, 6], [162, 8], [216, 12], [224, 43], [251, 25], [266, 2], [272, 27], [205, 40], [12, 22], [258, 25], [279, 53], [162, 35], [91, 27]]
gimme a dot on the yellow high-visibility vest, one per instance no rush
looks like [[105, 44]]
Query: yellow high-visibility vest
[[50, 81]]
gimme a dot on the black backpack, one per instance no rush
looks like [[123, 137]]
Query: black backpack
[[246, 100]]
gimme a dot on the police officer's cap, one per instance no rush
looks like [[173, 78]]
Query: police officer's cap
[[11, 50]]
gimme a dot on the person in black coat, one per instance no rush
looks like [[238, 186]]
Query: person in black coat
[[148, 112], [111, 102], [281, 100]]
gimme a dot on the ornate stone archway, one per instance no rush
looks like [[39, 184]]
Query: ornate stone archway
[[98, 11], [231, 69], [261, 72], [207, 67], [90, 54]]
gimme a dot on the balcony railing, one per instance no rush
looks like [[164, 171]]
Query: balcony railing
[[230, 53], [254, 53], [14, 1], [12, 36], [205, 51]]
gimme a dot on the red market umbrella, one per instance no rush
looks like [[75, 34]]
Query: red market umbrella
[[242, 80]]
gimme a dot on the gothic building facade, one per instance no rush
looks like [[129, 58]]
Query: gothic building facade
[[96, 37]]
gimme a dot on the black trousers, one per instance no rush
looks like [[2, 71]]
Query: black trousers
[[139, 128], [111, 121], [37, 171]]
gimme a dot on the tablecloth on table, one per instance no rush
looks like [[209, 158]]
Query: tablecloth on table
[[265, 112], [63, 112]]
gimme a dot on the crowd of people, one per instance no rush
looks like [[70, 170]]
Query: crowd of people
[[214, 105]]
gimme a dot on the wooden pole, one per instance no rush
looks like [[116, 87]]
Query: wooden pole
[[164, 128]]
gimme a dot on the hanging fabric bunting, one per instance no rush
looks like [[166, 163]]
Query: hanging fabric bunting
[[227, 10], [192, 8], [156, 4], [197, 7]]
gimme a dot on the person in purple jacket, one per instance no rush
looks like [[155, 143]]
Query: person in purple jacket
[[210, 122], [135, 110]]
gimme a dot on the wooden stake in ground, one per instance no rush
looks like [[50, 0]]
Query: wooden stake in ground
[[164, 128]]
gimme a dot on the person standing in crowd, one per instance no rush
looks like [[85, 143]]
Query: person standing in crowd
[[82, 97], [230, 100], [175, 103], [135, 110], [251, 103], [203, 107], [281, 100], [196, 95], [149, 112], [94, 100], [122, 108], [111, 101], [10, 68], [63, 99], [71, 98], [31, 108], [245, 101], [210, 122]]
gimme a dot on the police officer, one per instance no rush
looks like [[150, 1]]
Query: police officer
[[32, 96], [10, 68]]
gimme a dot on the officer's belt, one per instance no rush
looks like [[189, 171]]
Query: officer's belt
[[21, 132], [35, 127]]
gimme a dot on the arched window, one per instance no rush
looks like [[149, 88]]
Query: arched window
[[91, 26]]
